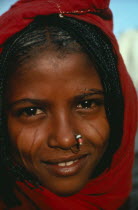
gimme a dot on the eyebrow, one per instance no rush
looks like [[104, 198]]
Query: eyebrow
[[41, 102], [89, 92], [92, 92], [35, 102]]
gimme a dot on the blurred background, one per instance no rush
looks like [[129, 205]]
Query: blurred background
[[125, 13]]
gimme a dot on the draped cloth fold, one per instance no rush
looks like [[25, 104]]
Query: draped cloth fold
[[110, 190]]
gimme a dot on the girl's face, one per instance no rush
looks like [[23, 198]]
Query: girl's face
[[51, 98]]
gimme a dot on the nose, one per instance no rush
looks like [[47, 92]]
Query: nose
[[62, 135]]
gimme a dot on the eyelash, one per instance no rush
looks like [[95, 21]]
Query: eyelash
[[30, 111], [86, 105], [90, 104]]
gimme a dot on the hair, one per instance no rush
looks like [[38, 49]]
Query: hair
[[66, 35]]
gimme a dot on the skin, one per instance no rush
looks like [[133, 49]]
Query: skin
[[61, 89]]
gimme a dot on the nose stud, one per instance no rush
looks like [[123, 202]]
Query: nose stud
[[79, 139]]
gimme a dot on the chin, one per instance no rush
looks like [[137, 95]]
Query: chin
[[66, 193], [66, 188]]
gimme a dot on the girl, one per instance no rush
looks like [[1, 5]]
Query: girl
[[66, 98]]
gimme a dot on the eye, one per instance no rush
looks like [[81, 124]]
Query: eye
[[90, 104], [30, 111]]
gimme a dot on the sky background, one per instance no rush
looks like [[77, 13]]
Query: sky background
[[125, 13]]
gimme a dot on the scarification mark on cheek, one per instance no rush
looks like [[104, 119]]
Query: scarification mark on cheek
[[33, 143], [97, 134], [25, 142]]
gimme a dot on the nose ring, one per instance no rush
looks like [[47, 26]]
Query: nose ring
[[79, 139], [76, 148]]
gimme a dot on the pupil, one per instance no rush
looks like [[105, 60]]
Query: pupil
[[86, 104], [30, 111]]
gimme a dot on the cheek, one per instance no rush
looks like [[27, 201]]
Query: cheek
[[26, 142], [97, 131]]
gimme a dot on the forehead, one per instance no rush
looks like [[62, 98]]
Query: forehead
[[49, 72], [53, 62]]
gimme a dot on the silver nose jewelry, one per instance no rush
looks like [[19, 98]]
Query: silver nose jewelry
[[76, 148], [79, 139]]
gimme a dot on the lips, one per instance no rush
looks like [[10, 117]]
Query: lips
[[64, 167]]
